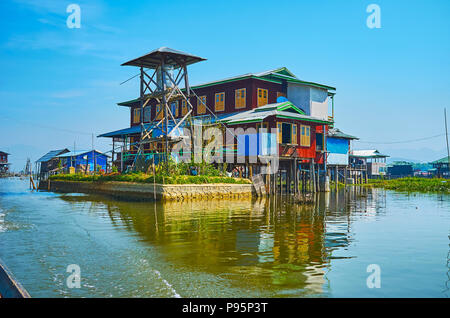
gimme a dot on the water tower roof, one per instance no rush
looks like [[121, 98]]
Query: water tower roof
[[171, 57]]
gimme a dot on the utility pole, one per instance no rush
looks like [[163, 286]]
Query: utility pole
[[446, 138], [93, 153], [71, 158]]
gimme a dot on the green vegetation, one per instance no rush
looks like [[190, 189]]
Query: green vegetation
[[146, 178], [173, 174], [413, 184]]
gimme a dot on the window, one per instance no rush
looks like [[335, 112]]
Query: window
[[294, 134], [305, 138], [159, 112], [262, 97], [201, 105], [279, 132], [147, 113], [240, 98], [184, 107], [319, 141], [174, 108], [219, 104], [286, 133], [136, 115]]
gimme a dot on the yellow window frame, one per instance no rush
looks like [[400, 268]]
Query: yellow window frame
[[279, 131], [201, 104], [136, 115], [177, 103], [294, 134], [159, 112], [184, 108], [263, 97], [219, 102], [240, 98], [305, 136]]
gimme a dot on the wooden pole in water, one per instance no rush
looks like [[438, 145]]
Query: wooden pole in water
[[32, 182], [446, 138], [336, 177], [345, 177], [318, 178], [154, 179], [280, 178], [314, 177]]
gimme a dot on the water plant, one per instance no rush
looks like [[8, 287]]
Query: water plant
[[411, 184]]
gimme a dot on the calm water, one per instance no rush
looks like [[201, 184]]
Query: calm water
[[227, 248]]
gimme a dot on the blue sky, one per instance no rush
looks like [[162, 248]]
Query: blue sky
[[60, 85]]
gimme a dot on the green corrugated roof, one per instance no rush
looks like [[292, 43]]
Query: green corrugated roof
[[442, 160], [274, 76], [280, 110], [336, 133]]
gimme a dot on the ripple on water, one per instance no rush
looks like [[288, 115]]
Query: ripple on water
[[2, 221]]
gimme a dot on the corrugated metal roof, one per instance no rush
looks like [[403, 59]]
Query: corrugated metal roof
[[260, 113], [336, 133], [125, 131], [278, 73], [442, 160], [78, 153], [372, 153], [153, 59], [52, 154], [137, 129]]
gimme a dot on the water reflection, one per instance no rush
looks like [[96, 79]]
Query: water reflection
[[269, 244]]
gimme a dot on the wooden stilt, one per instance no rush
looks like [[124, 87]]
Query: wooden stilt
[[336, 177], [317, 179], [345, 177], [314, 178]]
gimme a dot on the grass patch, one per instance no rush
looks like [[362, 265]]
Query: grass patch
[[413, 184], [145, 178]]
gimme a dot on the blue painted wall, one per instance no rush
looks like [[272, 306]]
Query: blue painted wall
[[338, 149], [100, 160], [337, 145]]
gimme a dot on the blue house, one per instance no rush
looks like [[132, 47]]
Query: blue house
[[80, 158], [338, 147]]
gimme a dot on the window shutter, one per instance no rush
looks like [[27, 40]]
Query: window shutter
[[279, 132], [294, 134]]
